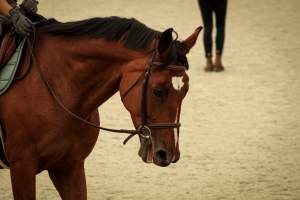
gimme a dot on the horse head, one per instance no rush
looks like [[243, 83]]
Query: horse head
[[152, 90]]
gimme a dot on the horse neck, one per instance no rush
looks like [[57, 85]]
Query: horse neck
[[85, 72]]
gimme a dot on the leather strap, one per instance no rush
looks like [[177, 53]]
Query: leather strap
[[141, 130]]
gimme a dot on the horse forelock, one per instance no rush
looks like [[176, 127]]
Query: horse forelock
[[176, 55]]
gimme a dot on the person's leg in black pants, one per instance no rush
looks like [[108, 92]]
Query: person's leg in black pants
[[208, 7], [207, 17], [219, 7]]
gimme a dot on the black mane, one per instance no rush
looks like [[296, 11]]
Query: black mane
[[134, 34]]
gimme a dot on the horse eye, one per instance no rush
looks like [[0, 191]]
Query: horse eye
[[160, 93]]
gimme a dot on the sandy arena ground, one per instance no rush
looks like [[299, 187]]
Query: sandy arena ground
[[241, 133]]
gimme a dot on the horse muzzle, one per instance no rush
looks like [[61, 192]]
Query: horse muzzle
[[159, 156]]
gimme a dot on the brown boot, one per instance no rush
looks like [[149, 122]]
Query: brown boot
[[218, 66], [209, 64]]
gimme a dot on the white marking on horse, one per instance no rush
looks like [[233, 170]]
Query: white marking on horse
[[177, 82]]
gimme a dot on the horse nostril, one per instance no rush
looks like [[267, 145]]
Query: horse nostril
[[162, 158], [162, 155]]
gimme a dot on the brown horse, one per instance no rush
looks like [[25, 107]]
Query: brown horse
[[80, 65]]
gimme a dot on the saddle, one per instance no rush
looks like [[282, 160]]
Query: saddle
[[7, 48]]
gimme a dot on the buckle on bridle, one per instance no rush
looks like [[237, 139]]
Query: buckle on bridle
[[144, 132]]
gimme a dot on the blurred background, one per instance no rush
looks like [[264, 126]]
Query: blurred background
[[240, 137]]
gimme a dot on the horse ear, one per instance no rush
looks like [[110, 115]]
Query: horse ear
[[191, 40], [165, 41]]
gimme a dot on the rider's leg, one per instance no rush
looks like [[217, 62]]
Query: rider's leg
[[2, 19], [4, 22]]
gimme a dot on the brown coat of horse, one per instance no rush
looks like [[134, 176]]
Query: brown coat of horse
[[85, 72]]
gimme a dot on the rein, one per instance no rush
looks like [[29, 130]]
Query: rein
[[144, 130]]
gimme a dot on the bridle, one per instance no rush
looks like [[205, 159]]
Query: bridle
[[144, 130], [145, 127]]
